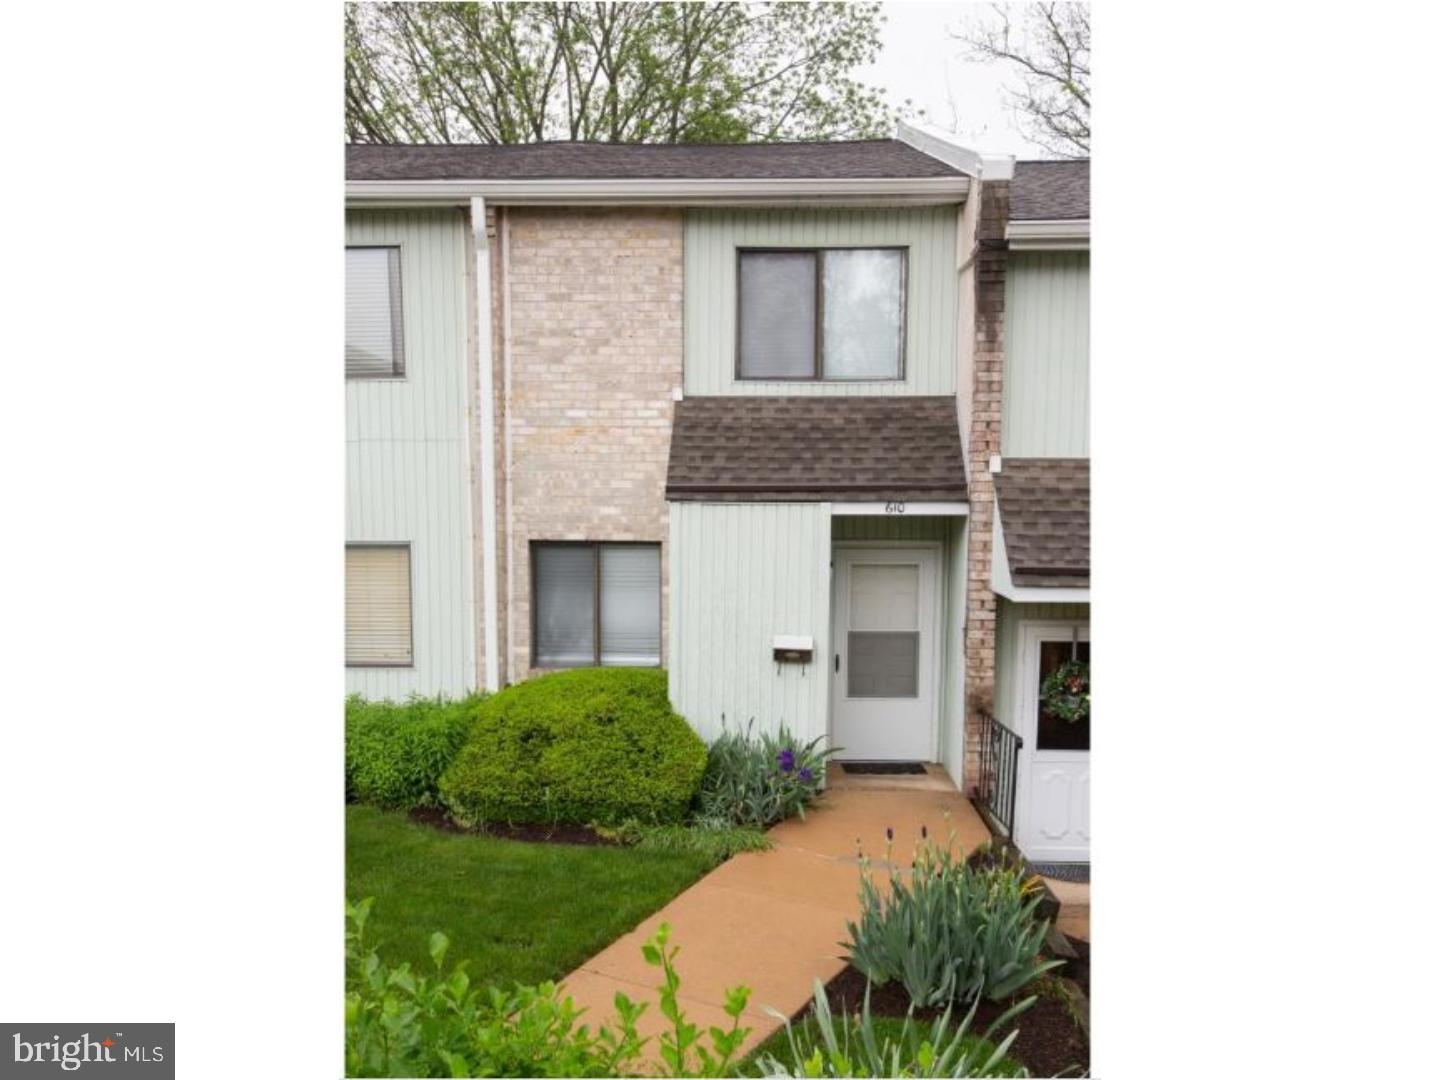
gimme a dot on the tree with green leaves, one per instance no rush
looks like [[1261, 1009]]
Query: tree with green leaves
[[1048, 46], [611, 72]]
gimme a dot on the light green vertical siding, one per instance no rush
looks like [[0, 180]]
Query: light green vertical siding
[[713, 236], [405, 441], [739, 575], [875, 527], [1047, 355], [1008, 617]]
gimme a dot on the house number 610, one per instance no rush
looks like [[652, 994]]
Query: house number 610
[[894, 508]]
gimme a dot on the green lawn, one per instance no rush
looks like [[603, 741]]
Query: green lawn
[[518, 912], [885, 1027]]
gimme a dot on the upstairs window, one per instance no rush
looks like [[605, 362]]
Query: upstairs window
[[596, 605], [374, 324], [832, 313]]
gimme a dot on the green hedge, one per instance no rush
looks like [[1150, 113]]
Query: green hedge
[[593, 746], [395, 753]]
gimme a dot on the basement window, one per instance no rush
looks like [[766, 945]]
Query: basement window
[[595, 605], [833, 314], [374, 320]]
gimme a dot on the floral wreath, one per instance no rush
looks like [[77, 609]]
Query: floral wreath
[[1066, 691]]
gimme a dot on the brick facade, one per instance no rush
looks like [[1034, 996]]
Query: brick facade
[[987, 374], [594, 315]]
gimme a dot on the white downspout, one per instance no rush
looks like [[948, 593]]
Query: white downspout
[[509, 457], [485, 354]]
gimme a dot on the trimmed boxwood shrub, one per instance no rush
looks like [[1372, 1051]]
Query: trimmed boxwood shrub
[[592, 746], [395, 753]]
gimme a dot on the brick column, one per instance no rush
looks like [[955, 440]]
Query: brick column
[[988, 372]]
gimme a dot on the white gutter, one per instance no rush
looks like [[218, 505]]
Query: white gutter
[[486, 385], [1057, 235], [922, 190]]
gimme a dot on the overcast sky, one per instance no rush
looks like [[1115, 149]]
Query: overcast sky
[[922, 62]]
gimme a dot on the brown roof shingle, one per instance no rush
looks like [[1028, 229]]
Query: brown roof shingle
[[838, 449], [1050, 191], [876, 158], [1045, 517]]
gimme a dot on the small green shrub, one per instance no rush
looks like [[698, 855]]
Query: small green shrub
[[400, 1023], [593, 746], [949, 931], [395, 753], [821, 1047], [716, 842], [759, 780]]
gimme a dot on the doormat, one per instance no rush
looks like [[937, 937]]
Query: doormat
[[1063, 871], [884, 768]]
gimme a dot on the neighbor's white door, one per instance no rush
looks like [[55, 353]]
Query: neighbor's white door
[[884, 662], [1052, 795]]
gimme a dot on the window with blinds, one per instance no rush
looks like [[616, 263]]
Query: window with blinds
[[378, 629], [821, 313], [374, 323], [596, 605]]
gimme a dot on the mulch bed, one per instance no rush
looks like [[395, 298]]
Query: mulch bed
[[531, 834], [1048, 1044]]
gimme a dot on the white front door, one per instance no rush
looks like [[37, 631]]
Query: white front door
[[884, 662], [1052, 795]]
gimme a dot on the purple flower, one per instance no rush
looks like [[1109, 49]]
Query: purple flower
[[889, 833], [923, 832], [806, 775], [787, 760]]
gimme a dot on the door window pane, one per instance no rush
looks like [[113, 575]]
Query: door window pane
[[885, 597], [883, 665], [863, 313], [374, 334], [630, 605], [1052, 732], [564, 605], [777, 315]]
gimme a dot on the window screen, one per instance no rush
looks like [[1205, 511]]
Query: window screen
[[374, 325], [377, 606], [596, 604], [777, 315], [833, 313]]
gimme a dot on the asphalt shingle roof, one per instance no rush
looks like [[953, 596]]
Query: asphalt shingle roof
[[1050, 191], [876, 158], [837, 449], [1045, 518]]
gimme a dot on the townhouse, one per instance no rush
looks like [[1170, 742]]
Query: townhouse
[[804, 424]]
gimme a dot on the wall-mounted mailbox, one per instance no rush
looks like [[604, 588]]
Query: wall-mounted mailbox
[[794, 649]]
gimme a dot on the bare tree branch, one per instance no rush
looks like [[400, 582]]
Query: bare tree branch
[[1048, 44]]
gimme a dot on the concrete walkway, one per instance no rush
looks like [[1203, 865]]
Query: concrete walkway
[[775, 920]]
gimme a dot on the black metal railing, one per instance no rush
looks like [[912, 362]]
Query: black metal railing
[[999, 765]]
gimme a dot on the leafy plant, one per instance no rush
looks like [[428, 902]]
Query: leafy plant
[[824, 1048], [759, 780], [950, 931], [717, 842], [400, 1023], [395, 752], [592, 746], [677, 1042]]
